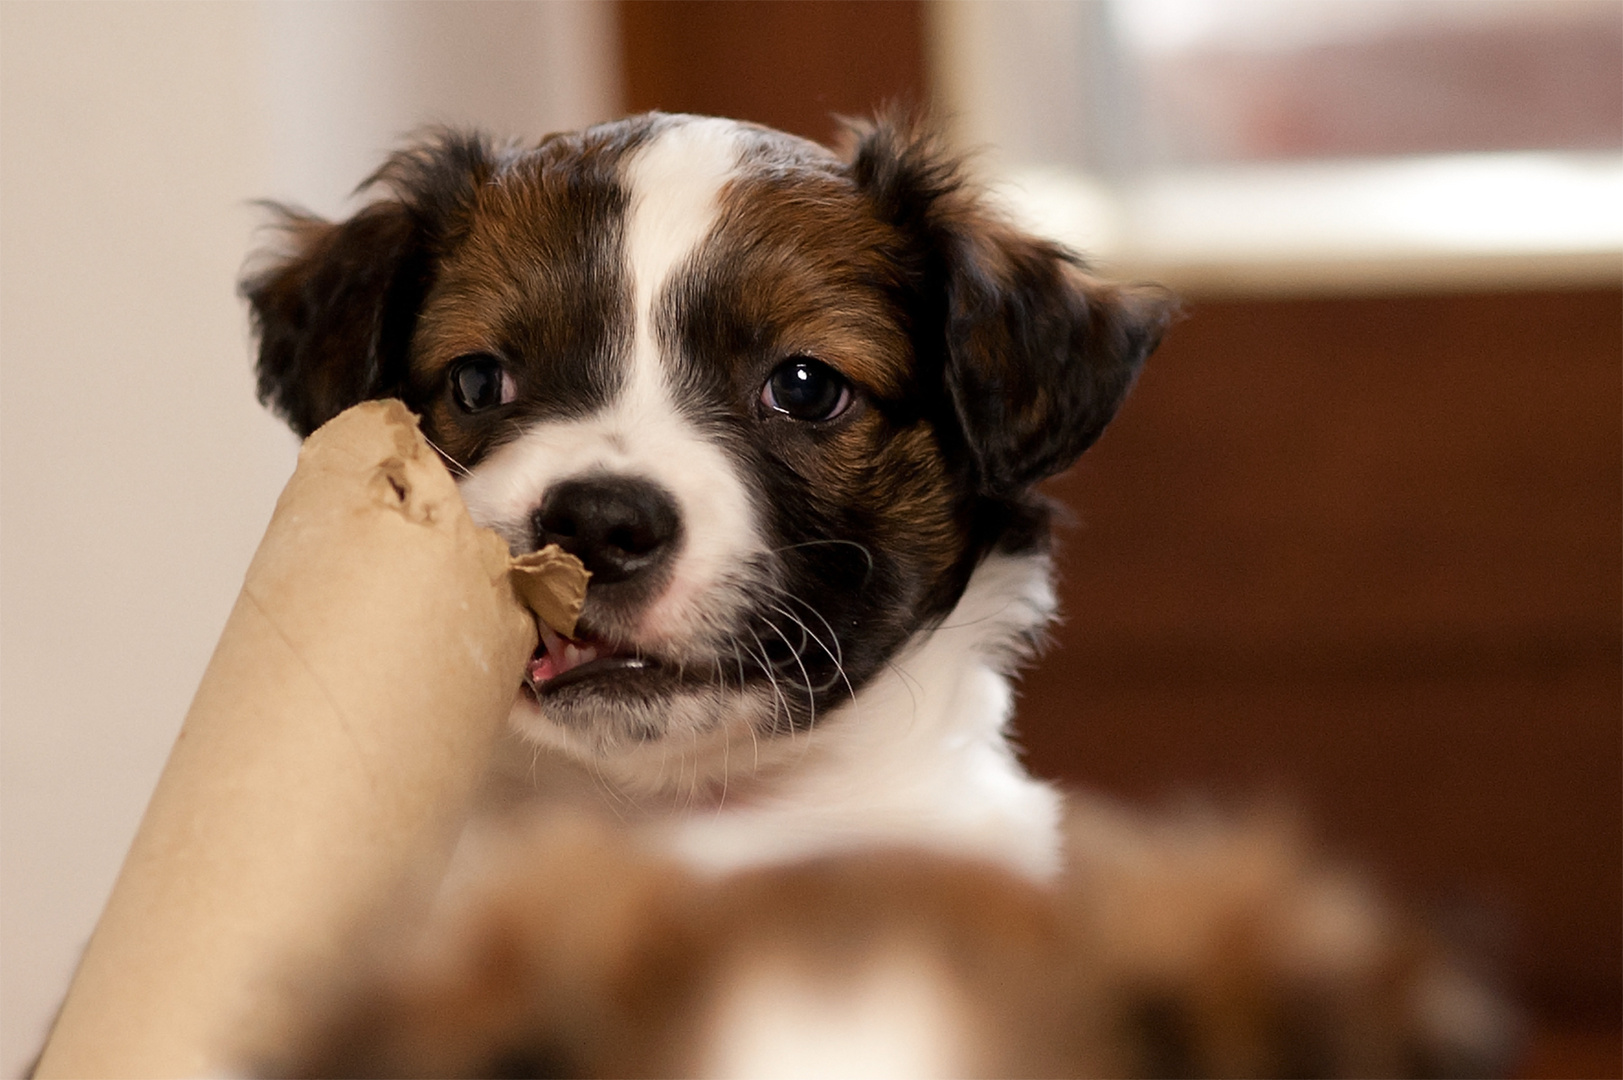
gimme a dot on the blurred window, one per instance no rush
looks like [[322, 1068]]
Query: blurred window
[[1302, 144], [1236, 80]]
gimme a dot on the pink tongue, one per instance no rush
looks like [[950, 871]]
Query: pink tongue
[[561, 655]]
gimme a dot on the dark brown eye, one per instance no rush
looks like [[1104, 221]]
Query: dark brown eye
[[806, 389], [480, 381]]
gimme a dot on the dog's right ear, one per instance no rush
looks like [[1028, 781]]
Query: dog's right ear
[[334, 314], [336, 304]]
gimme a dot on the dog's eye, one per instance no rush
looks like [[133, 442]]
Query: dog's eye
[[479, 381], [806, 389]]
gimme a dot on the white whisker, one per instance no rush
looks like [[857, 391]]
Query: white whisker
[[449, 460]]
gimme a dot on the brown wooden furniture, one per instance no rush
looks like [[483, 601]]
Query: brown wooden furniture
[[1365, 553], [792, 66]]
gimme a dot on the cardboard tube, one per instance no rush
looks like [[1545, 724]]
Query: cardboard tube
[[333, 746]]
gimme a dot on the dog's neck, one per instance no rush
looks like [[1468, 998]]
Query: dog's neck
[[919, 757]]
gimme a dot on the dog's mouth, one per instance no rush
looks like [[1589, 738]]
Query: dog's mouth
[[559, 662]]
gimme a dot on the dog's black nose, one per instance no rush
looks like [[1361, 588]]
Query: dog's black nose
[[618, 526]]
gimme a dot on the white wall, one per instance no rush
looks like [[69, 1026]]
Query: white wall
[[136, 469]]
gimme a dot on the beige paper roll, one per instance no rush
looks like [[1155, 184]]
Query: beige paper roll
[[333, 744]]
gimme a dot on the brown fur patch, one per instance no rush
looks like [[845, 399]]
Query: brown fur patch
[[1177, 946], [535, 279]]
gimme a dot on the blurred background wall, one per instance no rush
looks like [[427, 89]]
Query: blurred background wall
[[1355, 539]]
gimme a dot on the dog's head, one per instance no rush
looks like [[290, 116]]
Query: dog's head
[[781, 403]]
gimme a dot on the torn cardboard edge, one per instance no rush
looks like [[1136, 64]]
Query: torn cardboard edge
[[550, 581]]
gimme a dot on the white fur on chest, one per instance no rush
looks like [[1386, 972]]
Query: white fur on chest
[[921, 756]]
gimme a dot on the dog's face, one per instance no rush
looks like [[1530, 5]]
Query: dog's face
[[780, 403]]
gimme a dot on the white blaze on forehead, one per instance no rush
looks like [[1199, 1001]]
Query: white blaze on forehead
[[674, 183]]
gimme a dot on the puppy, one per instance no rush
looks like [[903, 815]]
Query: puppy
[[789, 409]]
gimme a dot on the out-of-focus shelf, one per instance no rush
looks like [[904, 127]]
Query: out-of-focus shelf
[[1454, 222]]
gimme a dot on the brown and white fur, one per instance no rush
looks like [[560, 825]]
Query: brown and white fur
[[790, 407], [804, 636]]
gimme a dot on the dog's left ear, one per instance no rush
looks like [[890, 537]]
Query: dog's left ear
[[1037, 354]]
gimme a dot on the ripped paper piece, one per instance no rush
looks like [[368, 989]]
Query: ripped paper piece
[[552, 583]]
